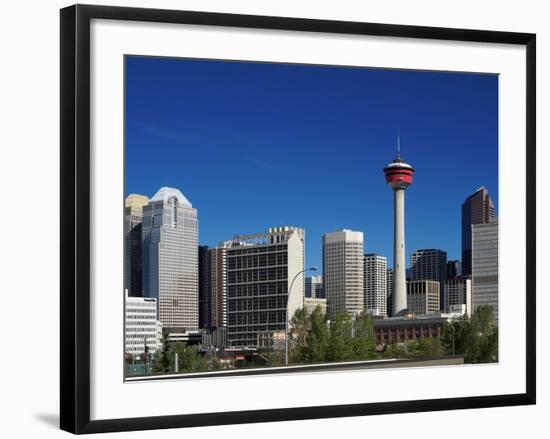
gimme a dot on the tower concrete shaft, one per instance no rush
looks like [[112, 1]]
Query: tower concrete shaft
[[399, 278]]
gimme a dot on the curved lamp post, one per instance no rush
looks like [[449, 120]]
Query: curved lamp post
[[287, 300]]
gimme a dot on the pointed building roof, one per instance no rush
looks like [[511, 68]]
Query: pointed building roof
[[165, 193], [136, 201]]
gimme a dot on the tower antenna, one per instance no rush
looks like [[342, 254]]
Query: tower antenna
[[398, 145]]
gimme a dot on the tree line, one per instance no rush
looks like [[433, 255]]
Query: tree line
[[313, 339], [474, 337]]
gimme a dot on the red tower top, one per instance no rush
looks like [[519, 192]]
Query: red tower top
[[399, 175]]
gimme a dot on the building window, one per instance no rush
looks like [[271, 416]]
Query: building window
[[174, 207]]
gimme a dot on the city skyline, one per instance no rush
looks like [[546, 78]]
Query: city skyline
[[411, 254], [328, 183]]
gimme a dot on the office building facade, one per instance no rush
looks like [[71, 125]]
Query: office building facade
[[310, 303], [212, 287], [458, 291], [343, 272], [389, 288], [423, 297], [133, 264], [430, 264], [142, 330], [205, 297], [478, 208], [314, 287], [454, 269], [375, 269], [217, 284], [485, 266], [260, 270], [170, 259]]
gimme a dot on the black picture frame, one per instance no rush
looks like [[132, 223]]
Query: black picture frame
[[75, 217]]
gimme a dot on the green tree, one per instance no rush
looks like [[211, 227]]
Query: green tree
[[484, 319], [456, 335], [425, 347], [476, 338], [484, 346], [393, 350], [340, 340], [161, 361], [275, 358], [314, 341], [189, 358], [215, 364], [298, 337], [318, 340], [488, 347], [363, 345], [177, 348]]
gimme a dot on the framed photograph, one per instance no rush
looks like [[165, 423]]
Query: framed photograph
[[274, 218]]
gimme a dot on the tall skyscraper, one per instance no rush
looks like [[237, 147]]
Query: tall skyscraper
[[423, 296], [343, 272], [485, 265], [399, 176], [430, 264], [375, 284], [260, 270], [133, 217], [217, 284], [314, 287], [458, 291], [205, 298], [213, 286], [478, 208], [170, 258]]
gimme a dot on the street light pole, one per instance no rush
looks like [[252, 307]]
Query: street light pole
[[286, 310]]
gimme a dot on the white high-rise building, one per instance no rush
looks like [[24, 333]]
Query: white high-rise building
[[375, 284], [458, 291], [343, 272], [141, 327], [170, 258], [485, 265]]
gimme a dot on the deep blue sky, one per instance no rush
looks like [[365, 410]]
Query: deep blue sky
[[254, 145]]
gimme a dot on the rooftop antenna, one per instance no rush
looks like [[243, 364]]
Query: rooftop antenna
[[398, 145]]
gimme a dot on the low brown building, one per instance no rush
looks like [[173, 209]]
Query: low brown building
[[402, 329]]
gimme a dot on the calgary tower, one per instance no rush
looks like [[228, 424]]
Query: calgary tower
[[399, 177]]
